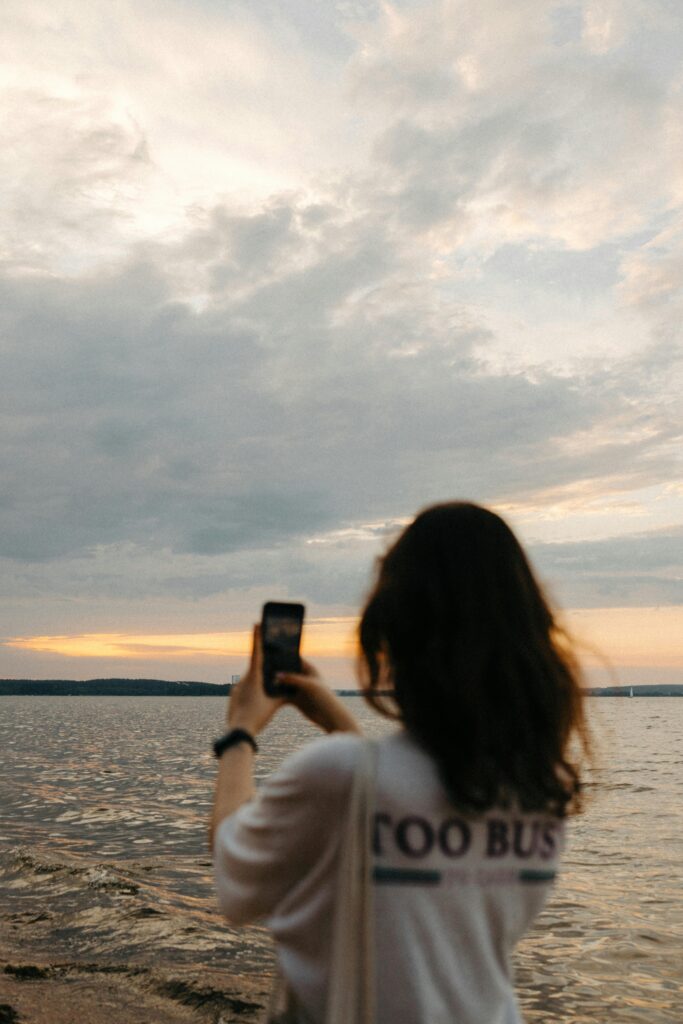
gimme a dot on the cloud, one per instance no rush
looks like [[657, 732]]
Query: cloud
[[117, 123], [137, 419], [325, 381], [642, 569], [512, 136], [73, 173], [257, 296], [652, 276]]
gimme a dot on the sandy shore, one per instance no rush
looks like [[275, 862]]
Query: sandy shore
[[80, 993]]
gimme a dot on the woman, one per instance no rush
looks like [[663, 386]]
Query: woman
[[471, 790]]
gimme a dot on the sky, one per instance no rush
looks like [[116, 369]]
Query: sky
[[275, 276]]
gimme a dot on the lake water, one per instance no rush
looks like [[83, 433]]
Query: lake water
[[103, 859]]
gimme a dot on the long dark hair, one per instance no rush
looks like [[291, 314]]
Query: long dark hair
[[483, 677]]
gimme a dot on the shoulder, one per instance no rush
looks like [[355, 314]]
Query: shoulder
[[325, 764]]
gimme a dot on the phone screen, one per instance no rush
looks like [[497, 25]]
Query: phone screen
[[281, 627]]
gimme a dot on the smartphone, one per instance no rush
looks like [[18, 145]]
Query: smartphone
[[281, 626]]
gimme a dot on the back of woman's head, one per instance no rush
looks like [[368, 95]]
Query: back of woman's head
[[483, 677]]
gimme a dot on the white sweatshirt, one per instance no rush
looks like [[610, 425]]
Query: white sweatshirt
[[452, 894]]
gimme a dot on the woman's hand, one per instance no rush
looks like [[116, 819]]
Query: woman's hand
[[249, 706], [316, 701]]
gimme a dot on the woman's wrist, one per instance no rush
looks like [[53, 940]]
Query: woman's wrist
[[243, 722], [232, 738]]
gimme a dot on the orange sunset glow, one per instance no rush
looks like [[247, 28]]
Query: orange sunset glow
[[620, 636], [322, 638]]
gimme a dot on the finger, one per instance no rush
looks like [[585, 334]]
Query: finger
[[297, 679], [308, 669], [256, 661], [293, 677]]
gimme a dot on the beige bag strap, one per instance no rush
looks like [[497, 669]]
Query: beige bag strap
[[351, 988]]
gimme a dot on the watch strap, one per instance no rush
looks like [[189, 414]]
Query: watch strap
[[231, 739]]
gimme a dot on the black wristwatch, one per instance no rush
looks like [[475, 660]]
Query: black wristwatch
[[232, 738]]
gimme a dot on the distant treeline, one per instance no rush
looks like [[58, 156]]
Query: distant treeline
[[665, 690], [120, 688], [164, 688], [109, 688]]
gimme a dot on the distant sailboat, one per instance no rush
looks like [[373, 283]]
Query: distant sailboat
[[631, 693]]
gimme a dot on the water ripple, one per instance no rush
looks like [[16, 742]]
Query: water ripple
[[103, 852]]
